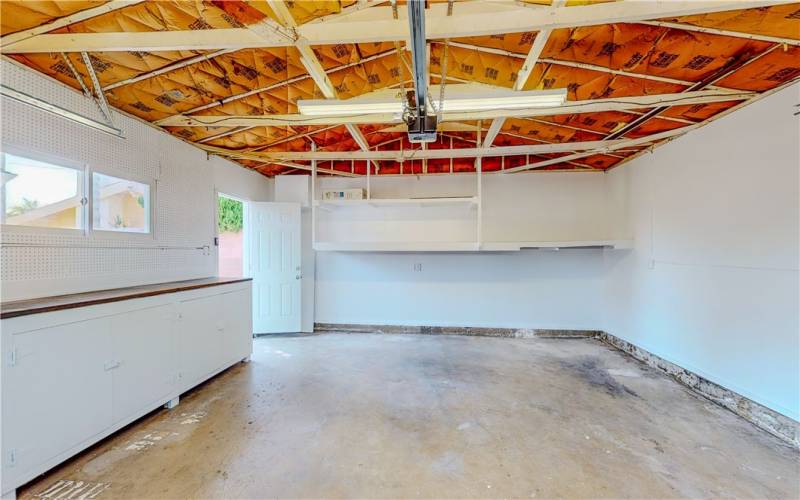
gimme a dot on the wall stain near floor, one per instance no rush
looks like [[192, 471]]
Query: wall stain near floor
[[592, 371]]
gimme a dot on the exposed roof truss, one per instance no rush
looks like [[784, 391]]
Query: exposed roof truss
[[226, 75]]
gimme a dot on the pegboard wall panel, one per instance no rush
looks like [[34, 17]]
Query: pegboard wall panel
[[35, 263]]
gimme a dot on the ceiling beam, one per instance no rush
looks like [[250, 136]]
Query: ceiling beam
[[309, 60], [443, 127], [360, 5], [282, 11], [280, 84], [169, 67], [536, 50], [491, 133], [98, 90], [293, 137], [62, 22], [376, 24], [574, 64], [428, 154], [308, 168], [227, 133], [730, 67], [608, 147], [717, 31], [525, 71], [570, 107]]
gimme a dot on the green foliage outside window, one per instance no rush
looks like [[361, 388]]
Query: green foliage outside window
[[231, 215], [25, 205]]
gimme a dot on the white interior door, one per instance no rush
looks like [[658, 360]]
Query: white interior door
[[276, 267]]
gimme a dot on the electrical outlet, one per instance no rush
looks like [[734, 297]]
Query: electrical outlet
[[417, 267]]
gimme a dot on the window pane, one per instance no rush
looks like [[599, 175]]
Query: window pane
[[41, 194], [120, 204]]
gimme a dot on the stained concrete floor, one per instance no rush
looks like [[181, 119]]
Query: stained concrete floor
[[397, 416]]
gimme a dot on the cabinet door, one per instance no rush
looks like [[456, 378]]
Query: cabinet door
[[144, 361], [238, 335], [199, 332], [56, 392]]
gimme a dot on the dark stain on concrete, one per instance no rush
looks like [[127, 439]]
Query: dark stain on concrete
[[591, 370]]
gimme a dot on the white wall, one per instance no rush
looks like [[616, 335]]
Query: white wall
[[537, 289], [527, 289], [33, 263], [712, 284], [548, 206]]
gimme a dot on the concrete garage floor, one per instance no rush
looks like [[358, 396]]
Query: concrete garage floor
[[376, 415]]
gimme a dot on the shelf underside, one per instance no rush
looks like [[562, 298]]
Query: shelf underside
[[464, 246], [387, 202]]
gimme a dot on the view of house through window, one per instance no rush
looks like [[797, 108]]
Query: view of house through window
[[36, 193], [120, 204], [230, 227]]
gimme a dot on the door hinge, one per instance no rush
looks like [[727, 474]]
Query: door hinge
[[12, 457]]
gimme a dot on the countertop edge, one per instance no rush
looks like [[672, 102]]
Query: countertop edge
[[134, 294]]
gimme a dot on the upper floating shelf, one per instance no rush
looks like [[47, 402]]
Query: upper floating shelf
[[515, 246], [464, 246], [387, 202]]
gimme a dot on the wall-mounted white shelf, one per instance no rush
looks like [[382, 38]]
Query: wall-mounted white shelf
[[467, 201], [515, 246], [386, 224], [396, 246], [465, 211], [464, 246]]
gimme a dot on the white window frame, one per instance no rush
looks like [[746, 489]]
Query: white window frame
[[58, 161], [108, 233]]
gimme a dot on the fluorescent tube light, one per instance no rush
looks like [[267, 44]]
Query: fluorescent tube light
[[512, 100], [350, 107], [457, 99]]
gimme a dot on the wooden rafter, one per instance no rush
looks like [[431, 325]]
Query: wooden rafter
[[419, 154], [376, 24], [607, 146], [525, 71], [280, 84], [170, 67], [571, 107], [61, 22], [309, 60], [717, 31], [373, 21], [576, 64]]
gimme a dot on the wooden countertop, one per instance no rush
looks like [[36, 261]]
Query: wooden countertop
[[60, 302]]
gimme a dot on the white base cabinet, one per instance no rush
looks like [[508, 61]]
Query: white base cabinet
[[72, 377]]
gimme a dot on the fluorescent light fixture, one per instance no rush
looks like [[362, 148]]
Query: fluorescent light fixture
[[458, 98], [504, 100], [349, 107]]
